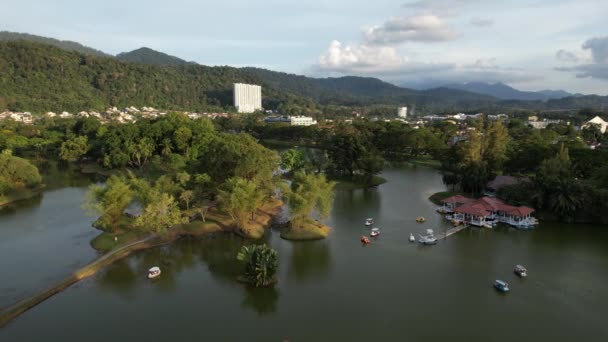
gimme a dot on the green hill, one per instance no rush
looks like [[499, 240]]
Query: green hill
[[62, 44], [146, 55]]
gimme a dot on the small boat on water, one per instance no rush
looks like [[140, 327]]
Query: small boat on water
[[501, 286], [412, 238], [420, 219], [365, 240], [449, 217], [375, 232], [521, 271], [428, 240], [153, 272], [369, 221]]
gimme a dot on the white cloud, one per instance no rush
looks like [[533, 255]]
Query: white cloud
[[360, 58], [424, 28], [482, 22], [599, 49]]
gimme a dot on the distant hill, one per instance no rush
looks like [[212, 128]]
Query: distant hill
[[39, 77], [353, 90], [146, 55], [62, 44], [505, 92]]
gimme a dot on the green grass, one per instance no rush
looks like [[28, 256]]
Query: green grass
[[105, 242], [347, 183], [309, 231]]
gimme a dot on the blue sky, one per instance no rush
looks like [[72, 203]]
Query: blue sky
[[532, 45]]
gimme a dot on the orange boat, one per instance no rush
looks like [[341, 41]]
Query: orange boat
[[365, 240]]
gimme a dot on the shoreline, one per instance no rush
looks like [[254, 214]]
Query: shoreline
[[266, 214], [21, 195]]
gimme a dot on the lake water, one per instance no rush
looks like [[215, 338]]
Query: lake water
[[330, 290]]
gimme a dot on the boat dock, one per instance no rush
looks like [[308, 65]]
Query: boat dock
[[451, 231]]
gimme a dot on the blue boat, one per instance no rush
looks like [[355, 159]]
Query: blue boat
[[501, 286]]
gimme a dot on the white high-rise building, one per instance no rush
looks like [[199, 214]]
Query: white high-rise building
[[247, 98], [402, 112]]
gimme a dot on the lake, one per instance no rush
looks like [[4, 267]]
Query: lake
[[329, 290]]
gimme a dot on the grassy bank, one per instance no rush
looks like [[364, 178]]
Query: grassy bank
[[428, 162], [308, 231], [346, 183], [20, 195]]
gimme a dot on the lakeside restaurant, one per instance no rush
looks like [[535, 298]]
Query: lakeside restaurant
[[487, 211]]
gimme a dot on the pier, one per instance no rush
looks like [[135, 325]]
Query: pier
[[451, 231]]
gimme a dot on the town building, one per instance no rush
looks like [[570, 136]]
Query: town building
[[247, 98], [402, 112], [599, 122], [302, 121]]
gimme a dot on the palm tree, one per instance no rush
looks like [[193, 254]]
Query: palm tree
[[262, 264]]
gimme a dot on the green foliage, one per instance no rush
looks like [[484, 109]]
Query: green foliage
[[261, 264], [241, 198], [309, 194], [293, 160], [146, 55], [74, 149], [16, 173], [110, 201], [160, 214]]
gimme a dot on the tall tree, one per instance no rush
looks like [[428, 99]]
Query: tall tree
[[309, 194], [240, 198], [74, 149], [161, 214], [110, 201]]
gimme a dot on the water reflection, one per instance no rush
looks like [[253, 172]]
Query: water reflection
[[309, 260], [119, 278], [262, 300], [28, 203]]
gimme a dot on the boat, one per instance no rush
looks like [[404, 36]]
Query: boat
[[487, 225], [153, 272], [428, 240], [365, 240], [420, 219], [369, 221], [501, 286], [412, 238], [375, 232], [449, 217], [521, 271]]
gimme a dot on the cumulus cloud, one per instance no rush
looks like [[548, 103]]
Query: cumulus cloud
[[424, 28], [482, 22], [598, 68], [599, 49], [566, 56], [360, 58]]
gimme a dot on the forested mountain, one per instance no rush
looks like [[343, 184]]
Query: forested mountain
[[38, 77], [352, 90], [505, 92], [62, 44], [146, 55]]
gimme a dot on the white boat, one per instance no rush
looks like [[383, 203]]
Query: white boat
[[428, 240], [375, 232], [501, 286], [412, 238], [449, 217], [369, 221], [521, 271], [153, 272]]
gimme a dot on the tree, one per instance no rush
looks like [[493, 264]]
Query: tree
[[16, 173], [74, 149], [293, 160], [187, 197], [240, 198], [110, 201], [495, 146], [309, 194], [261, 264], [161, 214]]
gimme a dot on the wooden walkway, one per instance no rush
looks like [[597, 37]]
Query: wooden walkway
[[451, 231]]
